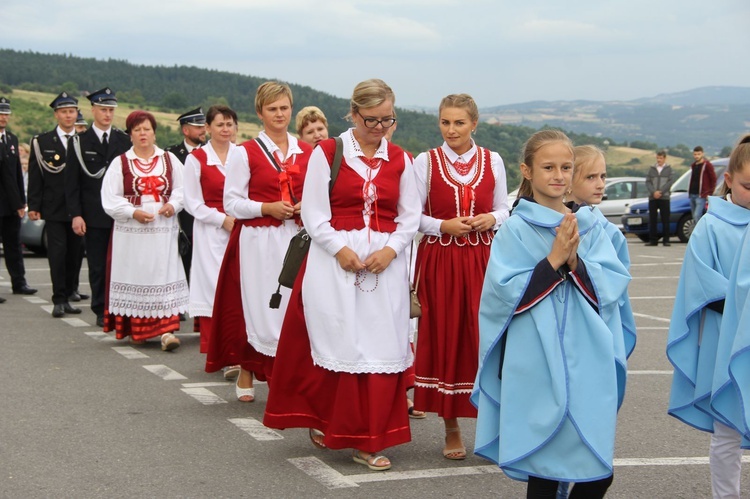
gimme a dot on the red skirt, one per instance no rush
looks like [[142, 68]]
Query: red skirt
[[203, 325], [227, 338], [367, 412], [450, 288], [140, 328]]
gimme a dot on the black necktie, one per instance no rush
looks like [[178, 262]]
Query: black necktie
[[67, 138], [105, 142], [3, 138]]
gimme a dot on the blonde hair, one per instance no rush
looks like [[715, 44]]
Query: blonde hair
[[584, 156], [531, 147], [461, 101], [307, 115], [271, 91], [738, 160], [370, 93]]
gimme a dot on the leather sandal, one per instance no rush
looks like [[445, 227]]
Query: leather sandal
[[371, 461], [457, 454], [316, 437], [413, 413]]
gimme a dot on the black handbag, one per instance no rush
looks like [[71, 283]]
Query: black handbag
[[300, 243]]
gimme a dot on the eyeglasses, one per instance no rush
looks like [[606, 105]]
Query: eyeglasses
[[373, 122]]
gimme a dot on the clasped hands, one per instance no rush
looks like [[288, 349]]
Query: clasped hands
[[565, 246], [376, 263], [461, 226]]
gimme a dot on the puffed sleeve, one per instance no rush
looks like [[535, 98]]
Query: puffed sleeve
[[236, 201]]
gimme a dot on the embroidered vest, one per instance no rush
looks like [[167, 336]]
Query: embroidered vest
[[158, 186], [449, 198]]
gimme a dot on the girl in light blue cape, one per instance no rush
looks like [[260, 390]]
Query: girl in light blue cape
[[699, 344], [547, 388]]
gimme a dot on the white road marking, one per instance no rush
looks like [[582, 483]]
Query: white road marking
[[651, 298], [255, 429], [652, 317], [204, 396], [332, 479], [656, 277], [35, 299], [130, 353], [47, 308], [660, 257], [321, 472], [660, 328], [650, 372], [187, 335], [100, 336], [75, 322], [164, 372], [207, 384]]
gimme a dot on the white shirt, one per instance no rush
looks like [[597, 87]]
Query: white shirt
[[194, 202], [61, 133], [100, 133]]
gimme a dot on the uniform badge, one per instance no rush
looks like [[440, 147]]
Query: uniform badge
[[57, 156]]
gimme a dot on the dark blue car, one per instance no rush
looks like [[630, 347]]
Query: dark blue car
[[680, 219]]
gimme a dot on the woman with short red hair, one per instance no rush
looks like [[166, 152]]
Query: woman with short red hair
[[142, 192]]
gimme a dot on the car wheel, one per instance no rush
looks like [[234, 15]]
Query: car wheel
[[643, 237], [685, 227]]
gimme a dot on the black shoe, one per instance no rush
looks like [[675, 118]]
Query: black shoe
[[24, 290], [74, 296], [2, 300], [667, 243], [70, 309], [83, 296], [59, 310], [183, 317], [100, 320], [652, 244]]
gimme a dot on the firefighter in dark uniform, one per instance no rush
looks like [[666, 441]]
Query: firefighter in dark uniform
[[89, 154], [47, 202], [12, 204], [81, 123], [193, 125]]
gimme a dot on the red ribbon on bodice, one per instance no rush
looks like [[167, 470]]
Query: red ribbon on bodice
[[286, 183], [467, 196], [151, 186]]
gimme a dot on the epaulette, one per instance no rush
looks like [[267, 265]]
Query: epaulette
[[120, 131]]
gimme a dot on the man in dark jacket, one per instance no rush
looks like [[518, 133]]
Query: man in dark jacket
[[12, 204], [702, 183], [659, 180], [47, 163], [88, 157]]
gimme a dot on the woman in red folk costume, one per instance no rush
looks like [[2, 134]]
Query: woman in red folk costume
[[142, 192], [344, 348], [262, 191], [462, 189], [205, 172]]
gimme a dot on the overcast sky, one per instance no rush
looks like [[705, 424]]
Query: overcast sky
[[500, 51]]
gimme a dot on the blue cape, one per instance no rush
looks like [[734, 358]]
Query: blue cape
[[731, 396], [553, 413], [694, 330], [620, 244]]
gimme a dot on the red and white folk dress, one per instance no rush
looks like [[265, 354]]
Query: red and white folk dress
[[344, 352], [450, 271], [147, 287], [245, 329], [204, 199]]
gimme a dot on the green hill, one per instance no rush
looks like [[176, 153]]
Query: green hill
[[176, 89]]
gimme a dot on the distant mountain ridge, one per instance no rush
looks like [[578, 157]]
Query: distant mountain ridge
[[714, 117]]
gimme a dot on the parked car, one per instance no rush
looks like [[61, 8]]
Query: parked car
[[619, 194], [680, 217]]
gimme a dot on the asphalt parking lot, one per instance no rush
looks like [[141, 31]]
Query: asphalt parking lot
[[83, 415]]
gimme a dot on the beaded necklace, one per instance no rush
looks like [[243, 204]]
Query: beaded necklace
[[145, 167]]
